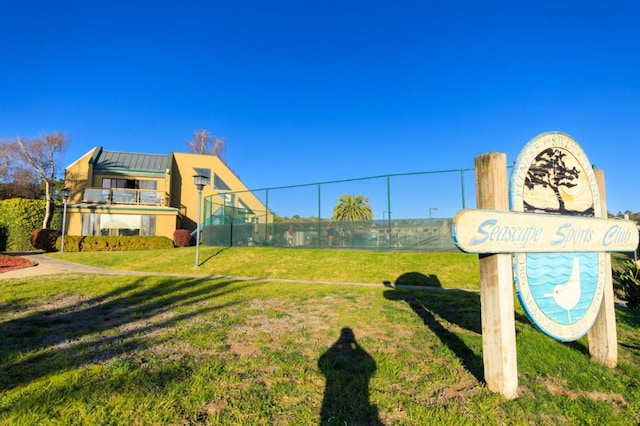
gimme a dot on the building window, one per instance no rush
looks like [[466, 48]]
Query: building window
[[118, 224], [90, 224], [129, 183], [148, 228], [218, 183], [245, 206]]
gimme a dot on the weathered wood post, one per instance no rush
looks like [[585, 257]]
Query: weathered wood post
[[603, 337], [496, 284]]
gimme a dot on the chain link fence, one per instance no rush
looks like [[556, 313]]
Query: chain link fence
[[411, 211]]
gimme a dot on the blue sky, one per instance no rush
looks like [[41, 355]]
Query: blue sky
[[308, 91]]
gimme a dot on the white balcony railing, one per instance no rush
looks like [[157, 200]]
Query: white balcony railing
[[124, 196]]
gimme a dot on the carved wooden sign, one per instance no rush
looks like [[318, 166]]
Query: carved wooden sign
[[486, 231], [557, 232]]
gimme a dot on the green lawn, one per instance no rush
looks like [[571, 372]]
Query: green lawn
[[134, 350], [451, 270]]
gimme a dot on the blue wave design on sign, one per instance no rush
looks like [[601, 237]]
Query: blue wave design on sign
[[546, 271]]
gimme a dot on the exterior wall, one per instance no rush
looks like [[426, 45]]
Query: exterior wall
[[165, 225], [184, 188], [74, 221], [78, 176], [184, 194]]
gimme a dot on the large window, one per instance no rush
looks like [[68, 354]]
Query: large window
[[118, 224], [129, 191], [90, 224], [129, 183]]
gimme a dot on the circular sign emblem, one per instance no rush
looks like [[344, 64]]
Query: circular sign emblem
[[560, 292]]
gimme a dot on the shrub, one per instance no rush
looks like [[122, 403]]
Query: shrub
[[18, 217], [181, 238], [44, 239], [74, 243], [627, 277]]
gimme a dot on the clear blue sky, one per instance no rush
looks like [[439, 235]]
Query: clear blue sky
[[308, 91]]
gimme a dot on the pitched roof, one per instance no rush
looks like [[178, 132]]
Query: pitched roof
[[131, 161]]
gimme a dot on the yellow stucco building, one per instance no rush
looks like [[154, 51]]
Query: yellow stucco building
[[126, 193]]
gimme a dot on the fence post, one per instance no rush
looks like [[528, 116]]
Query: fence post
[[462, 187], [319, 216], [389, 209], [266, 215]]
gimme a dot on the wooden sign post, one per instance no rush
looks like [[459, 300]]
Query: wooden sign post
[[548, 225], [603, 337], [496, 285]]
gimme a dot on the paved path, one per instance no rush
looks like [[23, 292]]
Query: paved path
[[49, 266]]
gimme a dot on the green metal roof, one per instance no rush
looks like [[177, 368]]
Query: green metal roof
[[130, 161]]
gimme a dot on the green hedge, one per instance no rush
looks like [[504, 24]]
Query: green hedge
[[18, 218], [73, 243]]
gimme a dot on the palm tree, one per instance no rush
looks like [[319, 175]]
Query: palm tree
[[352, 208]]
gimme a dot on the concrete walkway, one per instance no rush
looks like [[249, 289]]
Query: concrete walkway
[[49, 266]]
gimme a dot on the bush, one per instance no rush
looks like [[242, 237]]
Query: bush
[[18, 218], [627, 276], [44, 239], [181, 238], [74, 243]]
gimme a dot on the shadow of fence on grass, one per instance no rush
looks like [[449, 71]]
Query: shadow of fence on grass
[[73, 331]]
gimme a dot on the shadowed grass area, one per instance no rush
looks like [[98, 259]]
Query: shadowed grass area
[[81, 349]]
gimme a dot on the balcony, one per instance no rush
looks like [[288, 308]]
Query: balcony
[[141, 197]]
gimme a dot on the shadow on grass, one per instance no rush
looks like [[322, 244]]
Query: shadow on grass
[[72, 331], [347, 368], [436, 308], [213, 255], [419, 279]]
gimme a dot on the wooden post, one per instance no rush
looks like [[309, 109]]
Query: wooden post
[[496, 285], [603, 337]]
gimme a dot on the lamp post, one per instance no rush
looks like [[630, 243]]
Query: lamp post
[[431, 209], [200, 181], [65, 196]]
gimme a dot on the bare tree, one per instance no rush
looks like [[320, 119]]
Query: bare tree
[[206, 144], [41, 156], [17, 179]]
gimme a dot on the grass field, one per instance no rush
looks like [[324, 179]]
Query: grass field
[[137, 350], [451, 270]]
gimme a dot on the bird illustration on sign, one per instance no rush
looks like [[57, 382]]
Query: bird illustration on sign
[[567, 295]]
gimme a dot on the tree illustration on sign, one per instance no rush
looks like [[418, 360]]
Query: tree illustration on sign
[[549, 170]]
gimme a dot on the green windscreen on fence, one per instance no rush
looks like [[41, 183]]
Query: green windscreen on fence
[[409, 211], [402, 234]]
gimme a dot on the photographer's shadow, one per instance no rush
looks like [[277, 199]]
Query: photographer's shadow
[[347, 368]]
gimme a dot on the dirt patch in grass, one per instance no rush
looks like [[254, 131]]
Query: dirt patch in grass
[[559, 386], [11, 263]]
